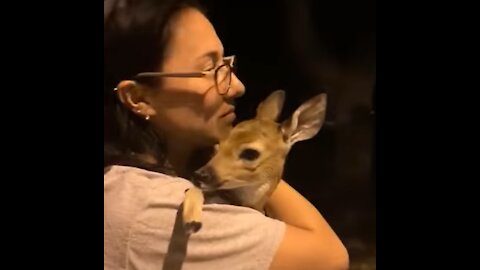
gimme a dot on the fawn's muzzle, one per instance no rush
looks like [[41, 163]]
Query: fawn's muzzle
[[206, 178]]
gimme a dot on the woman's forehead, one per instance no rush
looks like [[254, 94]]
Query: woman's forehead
[[193, 36]]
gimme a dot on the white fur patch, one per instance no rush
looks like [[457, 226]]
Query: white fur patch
[[252, 195]]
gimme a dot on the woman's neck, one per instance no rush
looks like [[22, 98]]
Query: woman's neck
[[178, 155], [186, 159]]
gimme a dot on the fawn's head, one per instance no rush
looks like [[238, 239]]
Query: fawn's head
[[256, 149]]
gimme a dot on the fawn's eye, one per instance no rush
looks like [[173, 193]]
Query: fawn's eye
[[249, 154]]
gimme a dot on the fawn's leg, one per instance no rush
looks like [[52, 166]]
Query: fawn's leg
[[192, 210]]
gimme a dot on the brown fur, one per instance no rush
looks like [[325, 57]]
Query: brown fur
[[247, 182]]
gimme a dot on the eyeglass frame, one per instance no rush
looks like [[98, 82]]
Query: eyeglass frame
[[227, 61]]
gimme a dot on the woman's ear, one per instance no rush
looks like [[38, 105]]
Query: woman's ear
[[133, 96]]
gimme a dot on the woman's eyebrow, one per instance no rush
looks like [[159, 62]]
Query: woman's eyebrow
[[214, 55]]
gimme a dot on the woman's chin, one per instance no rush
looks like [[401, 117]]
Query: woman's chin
[[223, 132]]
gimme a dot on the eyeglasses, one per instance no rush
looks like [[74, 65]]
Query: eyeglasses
[[222, 74]]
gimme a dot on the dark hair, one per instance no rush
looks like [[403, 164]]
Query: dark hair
[[136, 33]]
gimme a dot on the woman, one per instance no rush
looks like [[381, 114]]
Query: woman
[[169, 97]]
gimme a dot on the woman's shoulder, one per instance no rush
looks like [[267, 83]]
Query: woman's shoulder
[[125, 185], [137, 176]]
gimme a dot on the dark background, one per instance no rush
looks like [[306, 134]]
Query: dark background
[[308, 47]]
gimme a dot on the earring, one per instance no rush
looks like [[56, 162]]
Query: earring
[[147, 117]]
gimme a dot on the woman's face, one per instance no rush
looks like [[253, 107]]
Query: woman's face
[[190, 110]]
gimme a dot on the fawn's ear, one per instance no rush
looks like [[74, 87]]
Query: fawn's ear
[[306, 121], [271, 107]]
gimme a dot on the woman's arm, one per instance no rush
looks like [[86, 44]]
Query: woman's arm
[[309, 242]]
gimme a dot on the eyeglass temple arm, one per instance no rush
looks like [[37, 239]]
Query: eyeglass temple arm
[[161, 74], [230, 60]]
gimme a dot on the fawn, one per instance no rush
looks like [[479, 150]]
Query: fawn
[[248, 164]]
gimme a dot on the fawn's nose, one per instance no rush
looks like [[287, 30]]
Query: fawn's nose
[[206, 177]]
